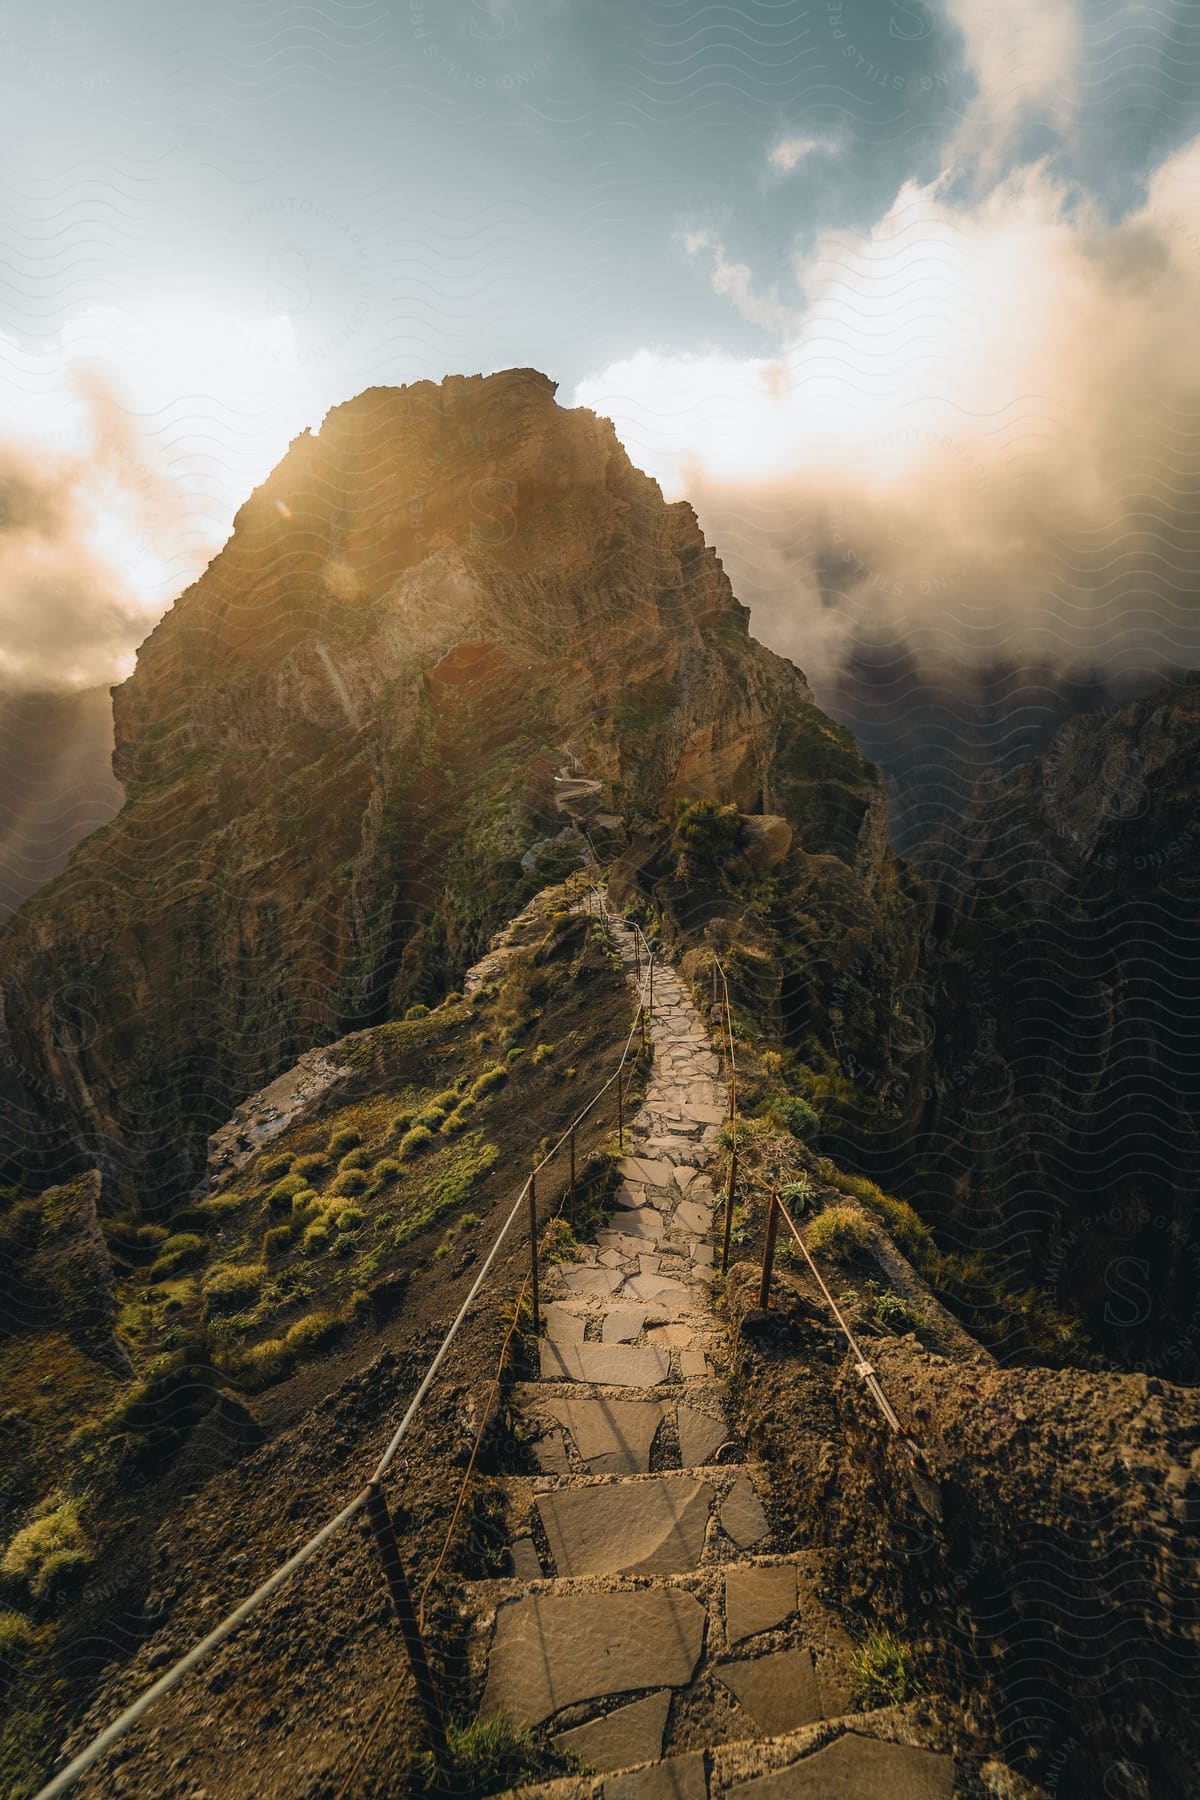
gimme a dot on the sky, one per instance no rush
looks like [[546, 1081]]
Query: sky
[[902, 294]]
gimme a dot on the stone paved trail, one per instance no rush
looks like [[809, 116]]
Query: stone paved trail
[[649, 1623]]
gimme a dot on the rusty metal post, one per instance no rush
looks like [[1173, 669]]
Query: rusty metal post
[[729, 1208], [620, 1116], [572, 1190], [651, 984], [764, 1292], [533, 1256], [637, 951], [642, 1018], [393, 1571]]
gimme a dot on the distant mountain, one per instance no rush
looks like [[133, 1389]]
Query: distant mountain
[[56, 784]]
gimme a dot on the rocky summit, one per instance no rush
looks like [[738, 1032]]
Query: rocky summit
[[340, 747]]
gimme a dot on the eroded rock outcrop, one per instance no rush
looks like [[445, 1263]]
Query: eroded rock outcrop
[[340, 743]]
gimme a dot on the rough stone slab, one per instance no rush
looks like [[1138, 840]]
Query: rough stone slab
[[631, 1196], [551, 1650], [652, 1287], [656, 1174], [777, 1692], [685, 1174], [645, 1223], [675, 1778], [700, 1437], [702, 1253], [631, 1734], [614, 1259], [757, 1599], [613, 1437], [692, 1362], [591, 1281], [742, 1516], [562, 1327], [523, 1556], [623, 1324], [853, 1766], [550, 1453], [617, 1365], [641, 1527], [694, 1217]]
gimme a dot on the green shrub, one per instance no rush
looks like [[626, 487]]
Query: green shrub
[[558, 1241], [458, 1119], [787, 1112], [343, 1140], [541, 1054], [516, 1053], [272, 1167], [217, 1207], [884, 1674], [150, 1235], [401, 1123], [469, 1221], [227, 1290], [417, 1139], [310, 1334], [349, 1218], [387, 1169], [53, 1546], [16, 1640], [279, 1238], [316, 1237], [176, 1253], [893, 1310], [838, 1231], [356, 1159], [350, 1181], [312, 1164], [417, 1012], [486, 1083], [488, 1756], [281, 1194]]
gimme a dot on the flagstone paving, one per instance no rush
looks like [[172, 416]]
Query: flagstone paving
[[641, 1555]]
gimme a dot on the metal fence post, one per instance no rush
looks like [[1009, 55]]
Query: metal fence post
[[533, 1256], [729, 1208], [393, 1570], [572, 1140], [764, 1291], [620, 1116], [652, 986], [642, 1018]]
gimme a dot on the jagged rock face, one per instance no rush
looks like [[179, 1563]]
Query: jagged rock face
[[1061, 1136], [341, 740]]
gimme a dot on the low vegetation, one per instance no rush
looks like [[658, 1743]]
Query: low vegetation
[[486, 1756], [840, 1232], [884, 1671]]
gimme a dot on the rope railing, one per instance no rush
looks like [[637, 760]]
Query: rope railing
[[370, 1498]]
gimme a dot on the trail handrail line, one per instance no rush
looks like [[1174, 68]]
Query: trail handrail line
[[105, 1739]]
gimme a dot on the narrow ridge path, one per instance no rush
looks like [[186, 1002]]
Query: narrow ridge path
[[649, 1622]]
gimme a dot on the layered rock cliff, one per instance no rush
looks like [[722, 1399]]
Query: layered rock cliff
[[341, 742]]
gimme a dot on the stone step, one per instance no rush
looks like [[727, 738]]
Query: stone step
[[847, 1758], [660, 1523], [579, 1431]]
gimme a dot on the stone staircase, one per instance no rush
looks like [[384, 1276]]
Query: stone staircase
[[650, 1622]]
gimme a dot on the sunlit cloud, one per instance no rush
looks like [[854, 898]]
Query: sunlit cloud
[[979, 428], [790, 152]]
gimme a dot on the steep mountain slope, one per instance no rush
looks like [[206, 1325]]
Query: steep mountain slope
[[1058, 1146], [342, 740]]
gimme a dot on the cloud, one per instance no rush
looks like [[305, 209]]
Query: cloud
[[1025, 58], [790, 152], [980, 433], [116, 488]]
